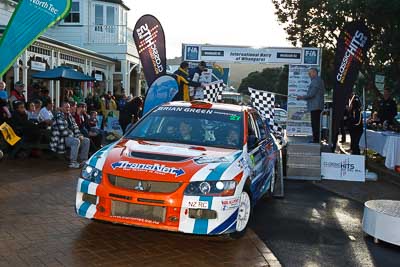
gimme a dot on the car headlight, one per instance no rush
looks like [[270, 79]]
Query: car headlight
[[211, 188], [91, 173], [206, 160]]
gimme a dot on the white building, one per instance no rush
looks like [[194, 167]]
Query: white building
[[93, 38], [101, 26]]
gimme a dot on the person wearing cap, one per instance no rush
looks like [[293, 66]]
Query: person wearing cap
[[197, 92], [18, 92], [315, 101]]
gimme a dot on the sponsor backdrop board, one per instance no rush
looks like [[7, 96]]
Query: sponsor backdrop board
[[343, 167], [299, 119], [243, 54], [298, 59]]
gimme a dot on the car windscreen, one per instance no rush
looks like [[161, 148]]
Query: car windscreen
[[195, 126]]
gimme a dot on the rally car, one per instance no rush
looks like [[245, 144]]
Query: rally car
[[191, 167]]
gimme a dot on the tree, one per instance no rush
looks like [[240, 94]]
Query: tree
[[269, 79], [318, 23]]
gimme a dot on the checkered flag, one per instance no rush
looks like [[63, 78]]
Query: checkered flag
[[264, 103], [213, 90]]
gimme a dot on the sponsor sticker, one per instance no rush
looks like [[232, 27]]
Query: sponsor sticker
[[229, 204], [151, 168]]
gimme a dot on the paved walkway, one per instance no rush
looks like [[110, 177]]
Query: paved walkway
[[38, 227]]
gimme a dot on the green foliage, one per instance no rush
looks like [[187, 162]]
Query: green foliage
[[318, 23], [269, 79]]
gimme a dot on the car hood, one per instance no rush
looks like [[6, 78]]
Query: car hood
[[150, 160]]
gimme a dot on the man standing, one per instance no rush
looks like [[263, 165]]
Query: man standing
[[182, 77], [196, 93], [65, 133], [315, 101], [387, 108]]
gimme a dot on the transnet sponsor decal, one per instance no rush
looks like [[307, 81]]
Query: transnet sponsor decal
[[151, 168]]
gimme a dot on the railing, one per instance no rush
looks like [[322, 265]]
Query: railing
[[107, 34]]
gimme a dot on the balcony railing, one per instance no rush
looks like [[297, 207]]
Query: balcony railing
[[107, 34]]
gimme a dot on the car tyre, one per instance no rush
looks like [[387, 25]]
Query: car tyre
[[244, 214]]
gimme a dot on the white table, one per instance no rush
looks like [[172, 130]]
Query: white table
[[386, 144], [382, 220]]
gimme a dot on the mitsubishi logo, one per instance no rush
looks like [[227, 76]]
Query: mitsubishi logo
[[141, 187]]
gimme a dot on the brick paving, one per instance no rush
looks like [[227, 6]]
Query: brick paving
[[38, 227]]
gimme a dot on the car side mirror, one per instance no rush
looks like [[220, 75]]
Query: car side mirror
[[252, 141]]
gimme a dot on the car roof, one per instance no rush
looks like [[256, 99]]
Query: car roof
[[209, 105]]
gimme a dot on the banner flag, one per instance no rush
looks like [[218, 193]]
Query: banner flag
[[150, 43], [161, 91], [29, 20], [351, 52]]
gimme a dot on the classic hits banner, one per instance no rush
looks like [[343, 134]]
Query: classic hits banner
[[150, 42], [29, 20], [352, 47]]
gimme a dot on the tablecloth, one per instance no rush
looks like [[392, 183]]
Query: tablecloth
[[386, 144]]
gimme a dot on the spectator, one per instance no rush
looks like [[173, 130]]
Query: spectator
[[123, 99], [46, 114], [35, 92], [31, 112], [73, 106], [4, 111], [107, 103], [18, 93], [92, 102], [374, 118], [78, 95], [387, 108], [81, 119], [68, 97], [130, 113], [197, 92], [355, 123], [23, 127], [182, 77], [96, 134], [45, 97], [65, 133]]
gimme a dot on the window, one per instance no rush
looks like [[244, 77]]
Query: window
[[104, 18], [261, 126], [252, 133], [74, 14], [98, 15], [195, 126], [110, 15]]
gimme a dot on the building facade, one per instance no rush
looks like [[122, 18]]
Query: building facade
[[101, 26], [93, 38]]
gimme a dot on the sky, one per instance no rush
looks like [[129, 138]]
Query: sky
[[221, 22]]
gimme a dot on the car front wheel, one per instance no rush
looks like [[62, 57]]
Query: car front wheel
[[243, 217]]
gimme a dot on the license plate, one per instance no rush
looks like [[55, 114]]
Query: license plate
[[198, 204]]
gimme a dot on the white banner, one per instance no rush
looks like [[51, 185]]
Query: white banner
[[40, 66], [343, 167], [241, 54]]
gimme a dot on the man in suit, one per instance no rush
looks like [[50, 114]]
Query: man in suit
[[315, 101]]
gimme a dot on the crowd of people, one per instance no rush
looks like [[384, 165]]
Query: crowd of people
[[74, 127]]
